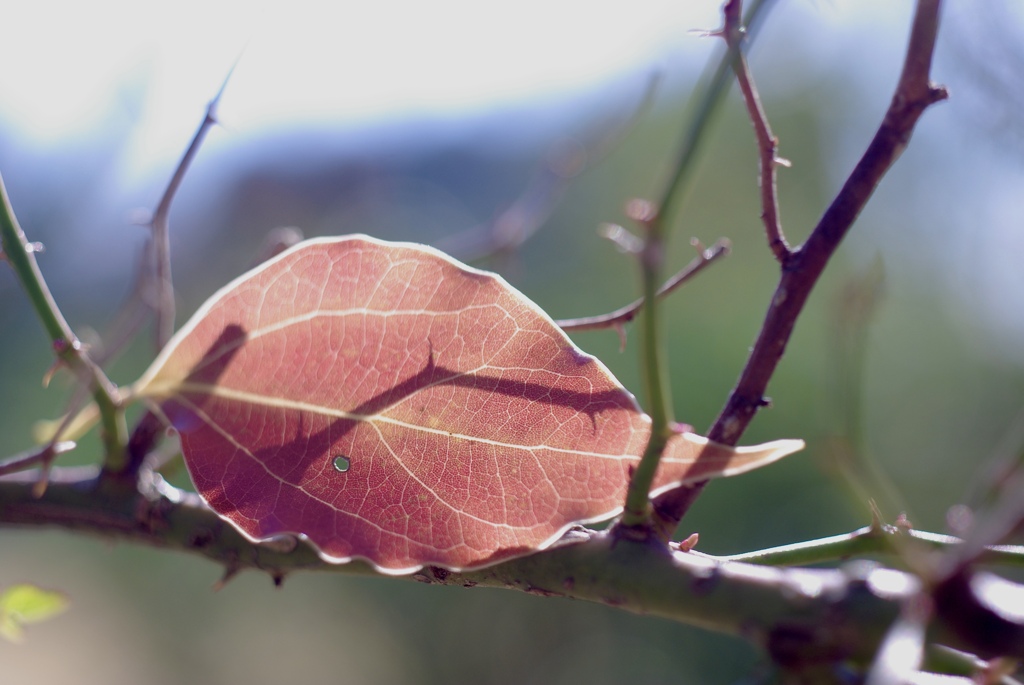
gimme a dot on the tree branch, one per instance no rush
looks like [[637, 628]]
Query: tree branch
[[797, 615], [802, 269], [624, 315], [792, 613]]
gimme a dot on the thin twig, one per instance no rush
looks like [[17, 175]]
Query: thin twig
[[20, 254], [161, 244], [767, 143], [76, 407], [868, 540], [804, 266], [40, 456], [624, 315]]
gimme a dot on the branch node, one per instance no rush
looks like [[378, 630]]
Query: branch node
[[639, 532]]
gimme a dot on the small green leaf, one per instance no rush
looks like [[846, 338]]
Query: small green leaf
[[23, 604]]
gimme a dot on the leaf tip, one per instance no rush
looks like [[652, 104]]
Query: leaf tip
[[755, 456], [690, 458]]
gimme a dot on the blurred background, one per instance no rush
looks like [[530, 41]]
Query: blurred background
[[437, 123]]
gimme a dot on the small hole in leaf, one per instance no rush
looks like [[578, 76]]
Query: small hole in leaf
[[341, 463]]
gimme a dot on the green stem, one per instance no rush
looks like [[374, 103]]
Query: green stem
[[659, 402], [20, 254], [637, 509]]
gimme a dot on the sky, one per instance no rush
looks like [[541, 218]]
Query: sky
[[312, 61]]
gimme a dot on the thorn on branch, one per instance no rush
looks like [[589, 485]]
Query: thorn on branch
[[689, 543], [902, 522], [625, 241], [160, 254], [705, 33], [620, 330], [877, 524], [50, 372], [231, 570]]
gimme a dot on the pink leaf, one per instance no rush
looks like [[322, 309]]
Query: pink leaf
[[394, 405]]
